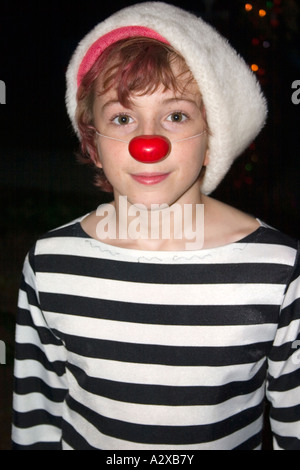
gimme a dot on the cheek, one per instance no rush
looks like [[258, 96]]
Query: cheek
[[192, 156], [110, 153]]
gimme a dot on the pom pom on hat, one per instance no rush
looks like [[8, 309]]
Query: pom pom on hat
[[236, 109]]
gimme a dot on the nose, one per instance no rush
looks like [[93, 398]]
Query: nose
[[149, 148]]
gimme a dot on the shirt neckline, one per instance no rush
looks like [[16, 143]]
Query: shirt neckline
[[164, 255]]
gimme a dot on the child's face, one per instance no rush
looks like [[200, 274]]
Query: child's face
[[160, 113]]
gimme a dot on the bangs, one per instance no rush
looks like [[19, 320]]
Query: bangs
[[140, 66]]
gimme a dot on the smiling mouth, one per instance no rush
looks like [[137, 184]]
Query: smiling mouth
[[150, 178]]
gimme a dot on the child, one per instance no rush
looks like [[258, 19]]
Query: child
[[129, 339]]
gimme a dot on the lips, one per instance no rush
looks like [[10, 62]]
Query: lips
[[150, 178]]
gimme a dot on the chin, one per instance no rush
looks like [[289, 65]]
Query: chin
[[152, 203]]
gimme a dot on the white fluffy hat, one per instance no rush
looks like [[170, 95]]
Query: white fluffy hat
[[235, 106]]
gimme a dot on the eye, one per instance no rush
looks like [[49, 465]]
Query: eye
[[122, 119], [177, 116]]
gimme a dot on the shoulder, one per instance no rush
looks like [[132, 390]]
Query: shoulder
[[229, 225], [273, 236], [224, 224], [59, 238]]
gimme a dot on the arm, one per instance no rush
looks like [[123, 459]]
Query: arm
[[39, 373], [283, 387]]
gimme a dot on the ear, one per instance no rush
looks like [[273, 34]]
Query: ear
[[94, 155], [206, 158], [98, 163]]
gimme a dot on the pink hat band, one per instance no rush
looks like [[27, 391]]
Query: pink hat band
[[103, 42]]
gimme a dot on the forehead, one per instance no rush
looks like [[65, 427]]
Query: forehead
[[161, 96]]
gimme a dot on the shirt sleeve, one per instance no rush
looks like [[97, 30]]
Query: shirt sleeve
[[283, 385], [39, 373]]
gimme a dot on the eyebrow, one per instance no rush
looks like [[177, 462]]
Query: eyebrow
[[166, 101], [110, 103], [181, 98]]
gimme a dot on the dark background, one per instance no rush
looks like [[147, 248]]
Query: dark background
[[42, 185]]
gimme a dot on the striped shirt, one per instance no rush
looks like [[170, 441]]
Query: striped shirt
[[126, 349]]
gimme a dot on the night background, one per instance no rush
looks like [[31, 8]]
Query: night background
[[41, 184]]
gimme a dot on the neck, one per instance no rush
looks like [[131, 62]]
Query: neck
[[179, 226]]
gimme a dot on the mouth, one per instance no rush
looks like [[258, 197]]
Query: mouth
[[150, 178]]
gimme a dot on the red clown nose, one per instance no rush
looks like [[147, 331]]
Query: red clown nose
[[149, 148]]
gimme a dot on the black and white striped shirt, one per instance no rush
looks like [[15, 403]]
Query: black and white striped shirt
[[126, 349]]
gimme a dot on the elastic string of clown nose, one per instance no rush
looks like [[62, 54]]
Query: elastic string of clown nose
[[150, 148], [172, 141]]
